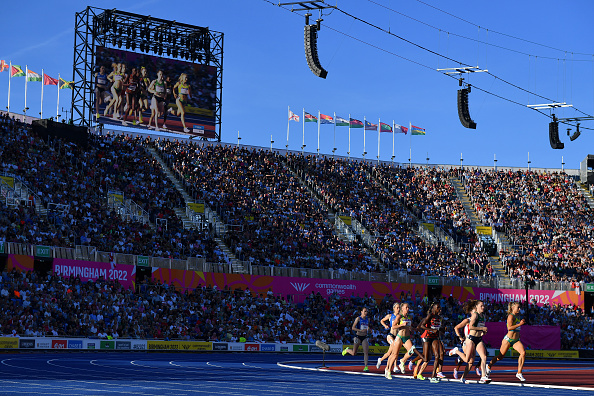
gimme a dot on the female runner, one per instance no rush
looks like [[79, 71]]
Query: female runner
[[100, 87], [361, 329], [393, 340], [404, 328], [182, 91], [159, 89], [464, 326], [116, 77], [431, 325], [475, 341], [512, 339]]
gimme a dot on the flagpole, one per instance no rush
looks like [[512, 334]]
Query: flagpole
[[410, 145], [9, 80], [334, 144], [393, 133], [288, 122], [303, 142], [41, 113], [318, 132], [379, 131], [364, 137], [26, 78], [349, 152], [58, 105]]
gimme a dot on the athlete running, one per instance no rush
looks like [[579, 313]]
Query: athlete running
[[475, 341], [393, 340], [512, 339], [361, 329]]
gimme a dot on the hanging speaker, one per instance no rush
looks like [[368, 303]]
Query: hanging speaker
[[463, 112], [311, 51], [556, 144]]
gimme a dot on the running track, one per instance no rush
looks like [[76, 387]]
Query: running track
[[142, 373]]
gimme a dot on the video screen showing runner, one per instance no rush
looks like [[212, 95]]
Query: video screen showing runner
[[150, 92]]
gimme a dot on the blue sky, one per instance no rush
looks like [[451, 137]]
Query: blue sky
[[265, 71]]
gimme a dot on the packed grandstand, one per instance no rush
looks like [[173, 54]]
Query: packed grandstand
[[279, 210]]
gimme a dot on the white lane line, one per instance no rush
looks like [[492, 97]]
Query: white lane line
[[214, 365], [521, 384]]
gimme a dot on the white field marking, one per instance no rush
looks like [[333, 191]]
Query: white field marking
[[528, 385], [247, 365], [214, 365]]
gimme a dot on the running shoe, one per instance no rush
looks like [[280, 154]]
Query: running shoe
[[365, 369], [140, 118], [164, 126], [401, 367], [379, 362], [396, 368], [463, 380], [520, 377], [420, 377], [440, 375], [410, 365], [344, 351], [453, 351], [455, 373], [387, 374], [484, 380], [488, 370], [186, 130], [478, 372], [433, 380]]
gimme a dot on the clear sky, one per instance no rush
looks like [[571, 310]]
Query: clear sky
[[265, 71]]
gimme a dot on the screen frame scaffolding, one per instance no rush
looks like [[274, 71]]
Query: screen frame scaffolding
[[114, 28]]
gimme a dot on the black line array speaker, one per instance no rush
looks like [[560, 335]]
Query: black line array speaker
[[311, 51], [463, 112], [554, 135]]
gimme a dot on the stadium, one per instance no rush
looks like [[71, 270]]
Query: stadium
[[145, 247]]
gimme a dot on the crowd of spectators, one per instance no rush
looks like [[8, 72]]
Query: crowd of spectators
[[32, 304], [349, 188], [73, 182], [272, 219], [544, 215]]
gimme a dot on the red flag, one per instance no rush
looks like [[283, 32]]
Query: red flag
[[47, 80], [3, 65]]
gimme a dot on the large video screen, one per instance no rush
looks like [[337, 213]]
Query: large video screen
[[149, 92]]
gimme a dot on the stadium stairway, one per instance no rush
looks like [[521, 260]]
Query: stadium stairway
[[500, 238], [218, 226], [586, 193]]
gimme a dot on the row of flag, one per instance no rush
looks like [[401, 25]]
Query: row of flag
[[17, 71], [354, 123]]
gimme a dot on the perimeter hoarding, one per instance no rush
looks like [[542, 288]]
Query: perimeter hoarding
[[127, 84], [299, 288]]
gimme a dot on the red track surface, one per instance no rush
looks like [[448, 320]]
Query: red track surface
[[557, 374]]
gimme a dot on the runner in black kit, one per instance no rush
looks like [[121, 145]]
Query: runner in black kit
[[361, 329]]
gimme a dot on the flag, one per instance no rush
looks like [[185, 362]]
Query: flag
[[65, 84], [356, 123], [385, 127], [400, 129], [32, 76], [370, 127], [293, 116], [3, 65], [324, 119], [47, 80], [416, 130], [309, 118], [16, 71], [339, 121]]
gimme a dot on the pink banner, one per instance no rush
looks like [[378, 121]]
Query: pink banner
[[533, 337], [92, 270], [539, 297]]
